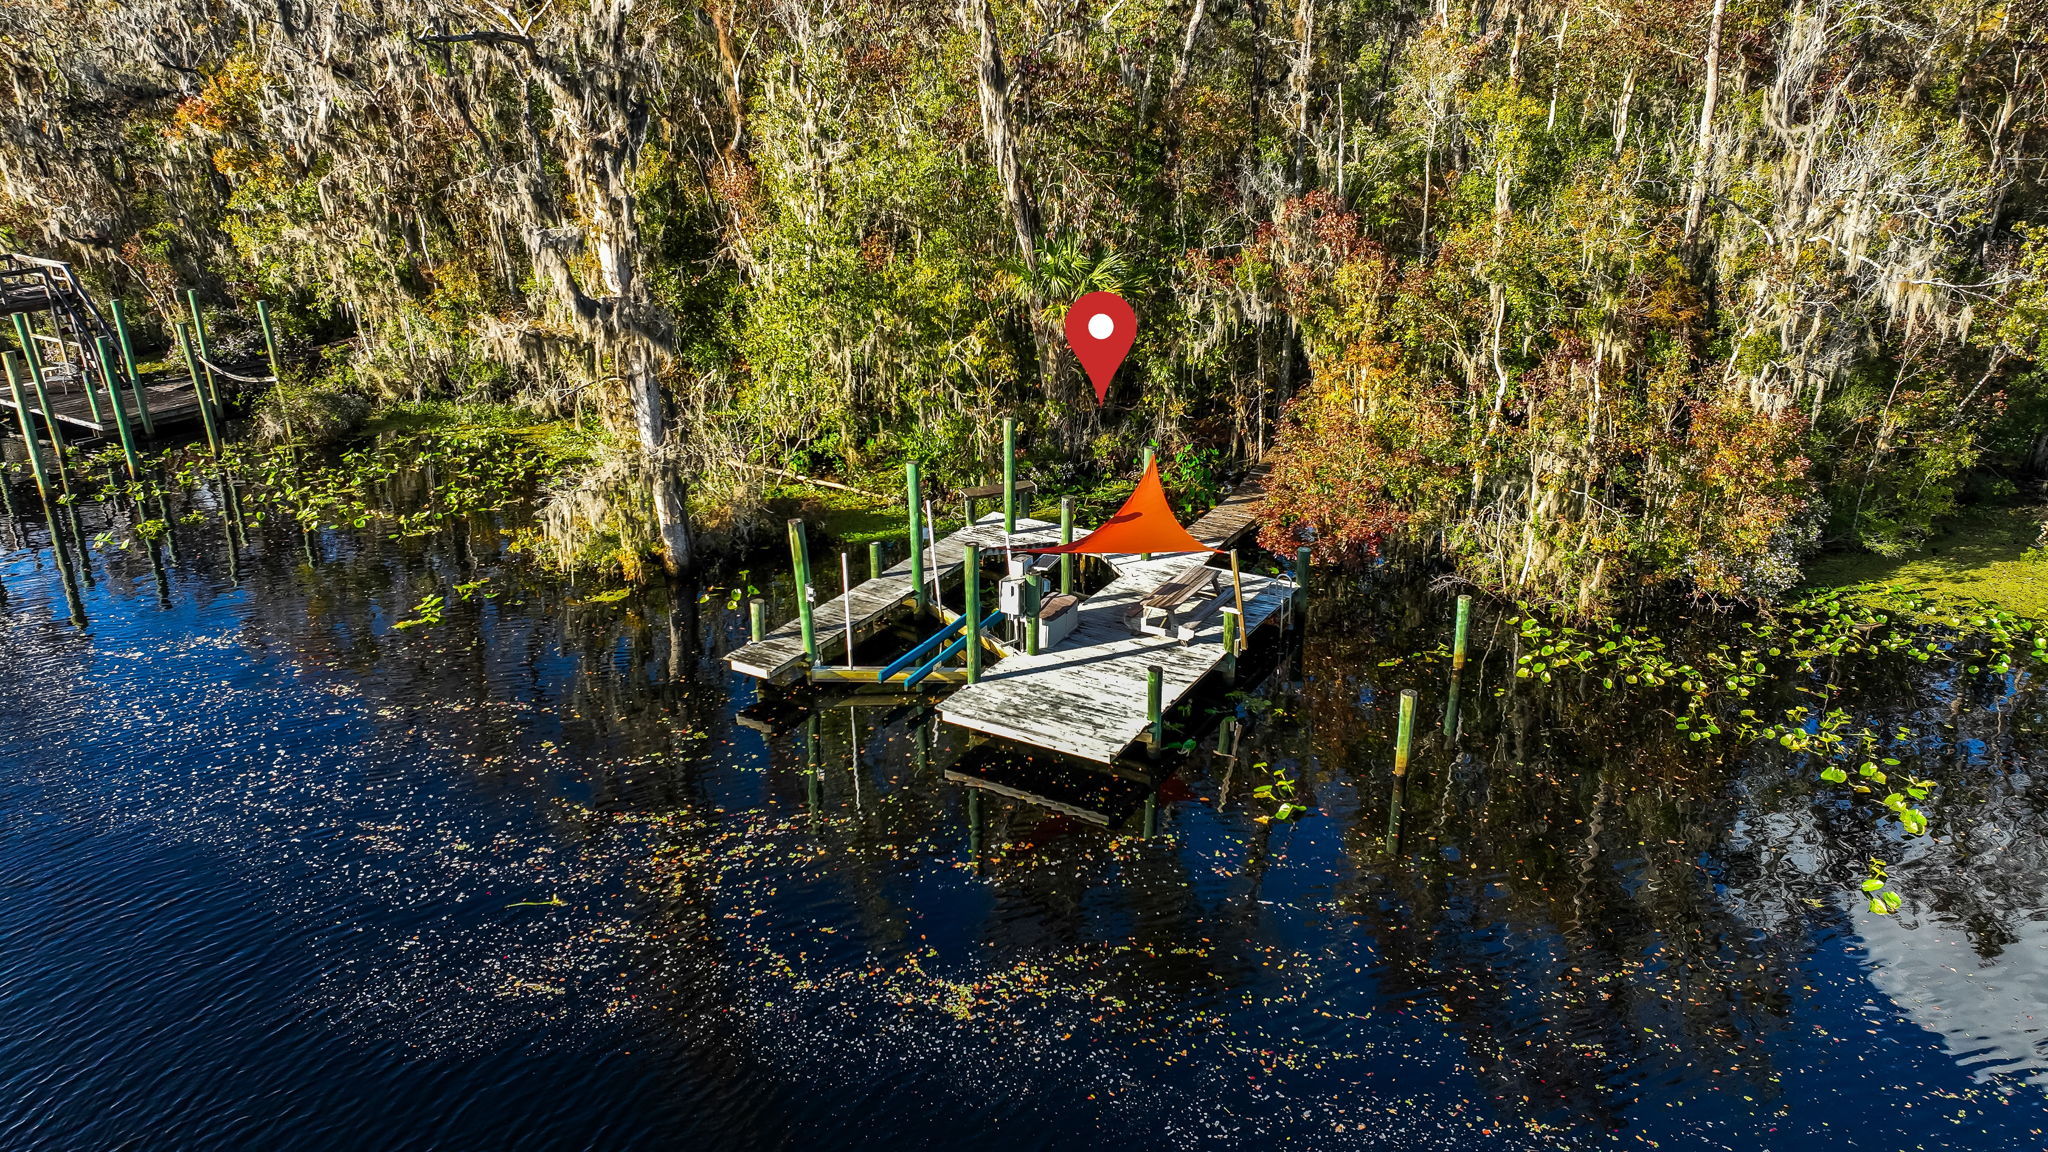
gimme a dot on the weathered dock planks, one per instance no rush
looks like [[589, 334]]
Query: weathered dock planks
[[1237, 516], [168, 404], [778, 657], [1086, 695]]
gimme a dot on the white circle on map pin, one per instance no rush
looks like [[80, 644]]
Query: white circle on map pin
[[1101, 325]]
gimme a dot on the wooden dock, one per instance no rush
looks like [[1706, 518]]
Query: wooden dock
[[1237, 516], [169, 403], [1086, 696], [778, 657]]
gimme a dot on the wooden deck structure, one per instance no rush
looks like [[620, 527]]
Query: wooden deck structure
[[778, 657], [47, 294], [1085, 696], [169, 403]]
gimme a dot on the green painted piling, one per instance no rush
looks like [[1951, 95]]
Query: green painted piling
[[874, 559], [109, 374], [128, 366], [1461, 634], [970, 575], [1233, 624], [1404, 735], [1031, 605], [284, 408], [1404, 732], [203, 350], [206, 412], [1301, 576], [1155, 715], [1458, 644], [51, 428], [1066, 537], [800, 560], [28, 431], [757, 619], [1009, 473], [913, 489]]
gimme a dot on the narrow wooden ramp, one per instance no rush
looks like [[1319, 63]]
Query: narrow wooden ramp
[[778, 657], [1086, 695]]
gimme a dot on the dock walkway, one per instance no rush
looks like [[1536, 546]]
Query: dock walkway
[[169, 403], [778, 657], [1085, 696]]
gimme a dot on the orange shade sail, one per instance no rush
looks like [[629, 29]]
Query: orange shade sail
[[1144, 524]]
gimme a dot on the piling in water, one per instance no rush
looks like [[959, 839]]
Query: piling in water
[[757, 619], [128, 366], [28, 432], [203, 350], [970, 575], [1301, 584], [207, 415], [800, 559], [1155, 716], [1404, 736], [1066, 537], [1458, 641], [108, 373], [33, 360], [913, 490], [874, 559], [1232, 625], [1009, 473]]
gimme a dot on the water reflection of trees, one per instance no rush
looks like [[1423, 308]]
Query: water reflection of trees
[[1584, 891]]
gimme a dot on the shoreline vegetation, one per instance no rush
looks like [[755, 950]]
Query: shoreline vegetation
[[1597, 309]]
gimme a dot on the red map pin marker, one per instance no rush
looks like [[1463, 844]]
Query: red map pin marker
[[1100, 329]]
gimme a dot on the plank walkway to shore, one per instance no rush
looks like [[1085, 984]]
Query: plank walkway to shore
[[778, 657]]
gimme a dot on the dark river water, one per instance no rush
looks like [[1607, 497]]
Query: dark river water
[[544, 875]]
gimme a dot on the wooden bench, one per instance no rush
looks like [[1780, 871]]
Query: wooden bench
[[1171, 595]]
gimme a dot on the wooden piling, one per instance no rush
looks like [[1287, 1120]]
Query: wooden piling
[[1155, 716], [54, 431], [110, 374], [1233, 624], [206, 411], [1301, 576], [846, 601], [284, 408], [28, 431], [203, 350], [1461, 633], [128, 365], [1459, 637], [1009, 473], [913, 490], [874, 559], [1066, 537], [800, 560], [1404, 732], [970, 575], [1031, 604], [757, 619]]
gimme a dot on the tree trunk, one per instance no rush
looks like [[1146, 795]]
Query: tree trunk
[[1703, 153]]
